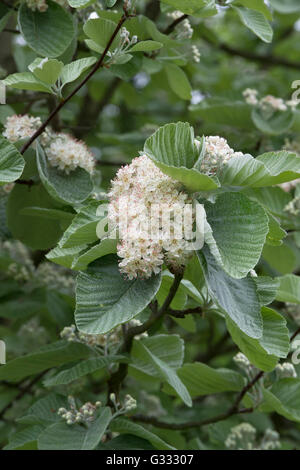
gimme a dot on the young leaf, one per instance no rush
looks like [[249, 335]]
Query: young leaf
[[103, 248], [100, 30], [257, 5], [72, 71], [146, 46], [26, 81], [178, 81], [46, 70], [173, 150], [256, 22]]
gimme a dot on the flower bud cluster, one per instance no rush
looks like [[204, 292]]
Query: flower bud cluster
[[42, 6], [243, 437], [268, 103], [285, 370], [196, 54], [184, 29], [70, 333], [129, 404], [84, 415]]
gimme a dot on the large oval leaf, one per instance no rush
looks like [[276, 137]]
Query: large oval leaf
[[11, 162], [48, 33], [105, 299]]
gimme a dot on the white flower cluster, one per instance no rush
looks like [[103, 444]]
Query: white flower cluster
[[217, 154], [293, 207], [67, 154], [84, 415], [70, 333], [269, 102], [196, 54], [41, 5], [141, 199], [243, 437], [62, 150], [19, 127], [293, 311], [284, 370], [184, 29]]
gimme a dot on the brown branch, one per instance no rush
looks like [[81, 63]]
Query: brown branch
[[96, 67], [23, 391], [189, 424], [264, 59], [175, 23], [183, 313], [297, 332]]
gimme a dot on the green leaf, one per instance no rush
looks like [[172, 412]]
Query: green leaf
[[281, 258], [146, 46], [44, 410], [48, 33], [80, 3], [266, 170], [29, 229], [237, 298], [285, 7], [284, 398], [46, 70], [235, 114], [19, 439], [26, 81], [5, 14], [72, 71], [105, 247], [100, 31], [256, 22], [178, 81], [105, 299], [190, 7], [257, 5], [125, 426], [52, 355], [60, 436], [11, 162], [82, 230], [67, 375], [163, 371], [173, 150], [200, 379], [289, 289], [276, 233], [277, 124], [239, 228], [72, 188], [65, 256], [266, 289], [265, 352]]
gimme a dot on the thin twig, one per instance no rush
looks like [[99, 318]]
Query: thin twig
[[23, 391], [173, 25], [96, 67]]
